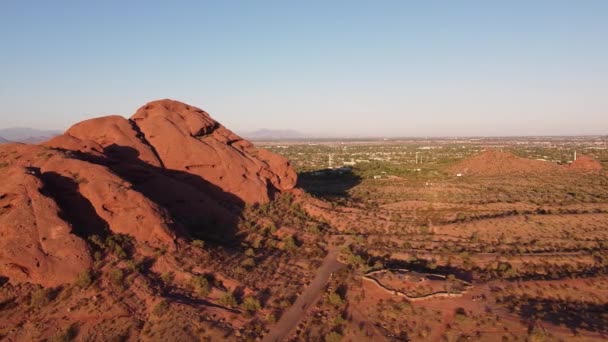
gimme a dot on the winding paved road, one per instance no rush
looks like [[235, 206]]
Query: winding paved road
[[292, 316]]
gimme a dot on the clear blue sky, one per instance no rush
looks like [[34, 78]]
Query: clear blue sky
[[405, 68]]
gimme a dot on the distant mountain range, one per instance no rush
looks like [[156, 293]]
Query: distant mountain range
[[274, 134], [26, 135]]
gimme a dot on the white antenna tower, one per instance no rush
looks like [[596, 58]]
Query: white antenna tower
[[330, 161], [574, 155], [417, 158]]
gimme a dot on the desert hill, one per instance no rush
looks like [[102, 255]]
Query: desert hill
[[27, 135], [273, 134], [586, 164], [170, 171], [2, 140], [496, 163]]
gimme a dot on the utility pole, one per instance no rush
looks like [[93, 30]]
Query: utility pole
[[574, 155], [330, 161], [417, 158]]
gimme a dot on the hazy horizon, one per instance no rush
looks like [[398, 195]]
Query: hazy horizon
[[391, 69]]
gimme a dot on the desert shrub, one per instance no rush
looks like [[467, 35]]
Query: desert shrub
[[167, 278], [40, 297], [333, 337], [351, 258], [251, 304], [228, 300], [201, 285], [66, 335], [97, 256], [537, 335], [97, 241], [117, 277], [271, 318], [290, 243], [248, 263], [118, 244], [335, 299], [161, 308], [85, 279], [198, 243], [460, 314], [135, 265], [272, 228], [339, 320]]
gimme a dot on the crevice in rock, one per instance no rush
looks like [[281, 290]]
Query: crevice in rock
[[206, 130], [74, 207], [142, 137]]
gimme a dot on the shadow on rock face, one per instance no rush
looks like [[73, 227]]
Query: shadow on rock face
[[200, 208], [75, 208]]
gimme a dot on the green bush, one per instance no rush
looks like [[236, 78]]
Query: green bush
[[198, 243], [167, 278], [271, 318], [250, 304], [335, 299], [201, 285], [40, 297], [117, 277], [228, 300], [333, 337], [290, 243], [248, 263], [161, 308], [85, 279]]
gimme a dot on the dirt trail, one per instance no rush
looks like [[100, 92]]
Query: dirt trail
[[292, 316]]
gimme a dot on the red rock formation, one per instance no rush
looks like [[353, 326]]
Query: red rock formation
[[188, 139], [171, 170], [36, 243], [114, 133]]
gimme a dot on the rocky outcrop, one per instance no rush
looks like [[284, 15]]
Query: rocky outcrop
[[188, 139], [168, 172], [36, 243]]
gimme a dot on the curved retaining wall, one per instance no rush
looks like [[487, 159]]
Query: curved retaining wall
[[438, 294]]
